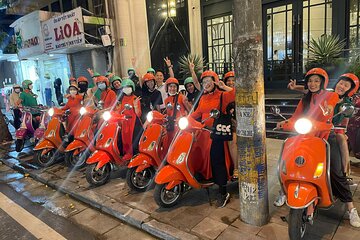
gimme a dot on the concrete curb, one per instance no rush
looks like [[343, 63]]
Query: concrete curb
[[133, 217]]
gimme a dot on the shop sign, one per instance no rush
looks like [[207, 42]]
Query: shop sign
[[28, 35], [63, 31]]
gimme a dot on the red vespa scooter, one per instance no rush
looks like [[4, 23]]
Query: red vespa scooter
[[79, 150], [106, 157], [304, 170], [141, 169], [184, 161], [50, 148]]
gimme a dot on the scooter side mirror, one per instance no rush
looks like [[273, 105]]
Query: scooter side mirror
[[127, 106], [346, 109], [62, 104], [275, 110], [169, 106], [100, 104], [178, 107], [214, 113]]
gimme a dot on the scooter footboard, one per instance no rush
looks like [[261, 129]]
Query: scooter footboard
[[171, 175], [141, 161], [45, 144], [99, 157], [76, 144], [300, 195]]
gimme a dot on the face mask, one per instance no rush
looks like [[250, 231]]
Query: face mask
[[131, 74], [73, 92], [83, 88], [17, 90], [127, 90], [30, 87], [102, 86], [172, 94]]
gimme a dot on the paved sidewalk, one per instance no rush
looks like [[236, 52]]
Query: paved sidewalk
[[194, 217]]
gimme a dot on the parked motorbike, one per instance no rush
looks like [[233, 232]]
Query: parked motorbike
[[304, 170], [44, 121], [28, 127], [353, 130], [80, 149], [185, 157], [142, 167], [51, 148], [106, 156]]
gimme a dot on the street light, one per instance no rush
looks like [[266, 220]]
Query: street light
[[168, 9]]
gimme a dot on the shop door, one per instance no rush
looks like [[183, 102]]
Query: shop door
[[288, 28]]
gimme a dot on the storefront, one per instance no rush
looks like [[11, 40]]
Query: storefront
[[288, 27], [49, 47]]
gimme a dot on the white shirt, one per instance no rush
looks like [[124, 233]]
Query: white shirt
[[164, 95]]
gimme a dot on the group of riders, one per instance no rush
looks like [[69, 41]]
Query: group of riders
[[149, 93]]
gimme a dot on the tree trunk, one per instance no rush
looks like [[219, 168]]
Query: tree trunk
[[250, 111], [4, 132]]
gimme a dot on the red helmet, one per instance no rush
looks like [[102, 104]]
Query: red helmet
[[102, 79], [229, 74], [82, 79], [71, 79], [148, 77], [170, 81], [317, 71], [210, 73], [354, 79]]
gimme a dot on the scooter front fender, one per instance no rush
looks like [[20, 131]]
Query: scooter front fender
[[301, 195], [21, 133], [76, 144], [170, 175], [99, 157], [44, 144], [141, 161]]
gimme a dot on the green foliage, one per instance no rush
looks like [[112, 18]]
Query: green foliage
[[6, 43], [355, 67], [325, 50], [184, 63]]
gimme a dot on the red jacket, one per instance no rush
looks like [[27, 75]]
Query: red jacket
[[180, 101], [109, 98], [74, 105]]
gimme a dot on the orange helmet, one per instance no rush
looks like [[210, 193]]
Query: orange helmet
[[170, 81], [82, 79], [354, 83], [71, 79], [320, 72], [102, 79], [211, 74], [148, 77], [229, 74]]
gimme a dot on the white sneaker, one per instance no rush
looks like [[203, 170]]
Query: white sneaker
[[354, 218], [280, 200]]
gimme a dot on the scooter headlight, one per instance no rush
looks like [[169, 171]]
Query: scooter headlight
[[51, 112], [106, 116], [183, 123], [149, 116], [303, 126], [82, 111]]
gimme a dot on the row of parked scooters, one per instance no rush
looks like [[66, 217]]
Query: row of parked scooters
[[95, 147]]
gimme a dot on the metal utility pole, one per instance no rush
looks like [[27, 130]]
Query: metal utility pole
[[250, 111]]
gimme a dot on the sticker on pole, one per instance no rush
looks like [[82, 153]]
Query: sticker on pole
[[245, 121]]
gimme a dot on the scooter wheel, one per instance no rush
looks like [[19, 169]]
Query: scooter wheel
[[19, 145], [76, 161], [140, 181], [97, 177], [297, 223], [45, 160], [167, 198]]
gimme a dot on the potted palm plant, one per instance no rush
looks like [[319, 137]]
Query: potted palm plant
[[325, 52], [184, 63]]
